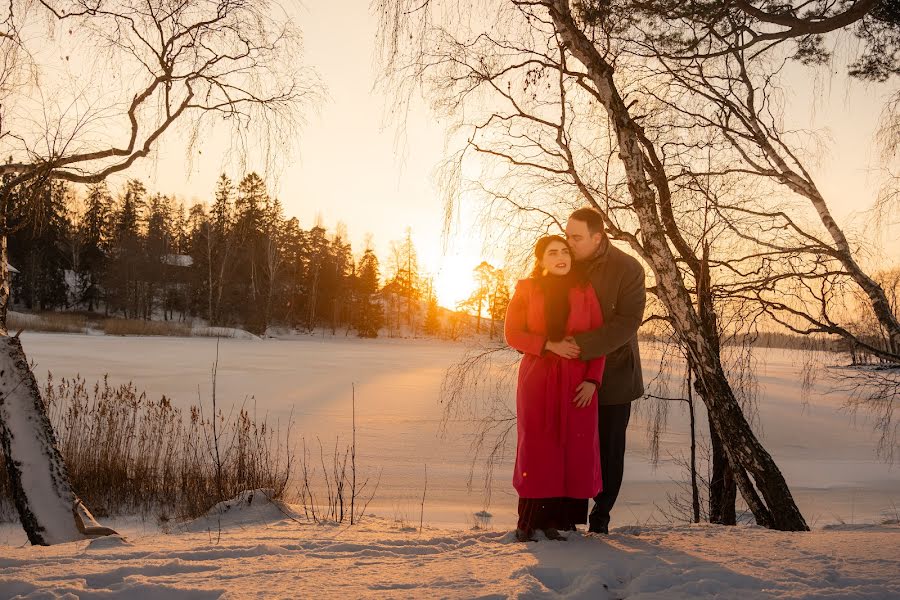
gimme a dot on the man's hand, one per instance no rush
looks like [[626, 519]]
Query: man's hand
[[584, 393], [564, 348]]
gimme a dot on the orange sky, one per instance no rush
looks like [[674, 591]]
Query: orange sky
[[349, 167]]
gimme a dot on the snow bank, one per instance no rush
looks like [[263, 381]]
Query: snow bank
[[250, 507], [224, 332]]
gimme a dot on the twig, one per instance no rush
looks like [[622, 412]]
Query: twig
[[422, 509], [353, 458]]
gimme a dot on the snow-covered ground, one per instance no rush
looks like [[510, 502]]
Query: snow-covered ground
[[827, 457], [850, 498], [259, 550]]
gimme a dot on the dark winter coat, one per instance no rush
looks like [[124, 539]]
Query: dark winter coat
[[618, 280]]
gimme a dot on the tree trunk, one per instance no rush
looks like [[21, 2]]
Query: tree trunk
[[478, 323], [722, 487], [4, 277], [878, 299], [806, 187], [49, 511], [695, 489], [37, 475], [209, 279], [776, 508]]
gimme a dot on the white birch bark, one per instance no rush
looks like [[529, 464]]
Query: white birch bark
[[38, 477]]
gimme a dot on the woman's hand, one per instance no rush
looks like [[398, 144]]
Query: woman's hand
[[584, 393], [563, 348]]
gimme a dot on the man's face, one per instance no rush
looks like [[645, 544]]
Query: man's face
[[582, 243]]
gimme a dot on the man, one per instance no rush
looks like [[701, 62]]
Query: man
[[618, 280]]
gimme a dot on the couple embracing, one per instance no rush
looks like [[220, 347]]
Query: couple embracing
[[575, 320]]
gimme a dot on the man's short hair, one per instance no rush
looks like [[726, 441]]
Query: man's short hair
[[592, 217]]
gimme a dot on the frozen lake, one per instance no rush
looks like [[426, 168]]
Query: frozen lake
[[827, 457]]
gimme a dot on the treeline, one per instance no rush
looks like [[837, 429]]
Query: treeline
[[233, 261]]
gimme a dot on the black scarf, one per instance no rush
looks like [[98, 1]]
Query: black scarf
[[582, 268], [556, 303]]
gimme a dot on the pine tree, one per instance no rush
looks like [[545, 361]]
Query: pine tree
[[404, 288], [36, 248], [97, 234], [202, 294], [369, 315], [223, 205], [500, 298], [432, 324], [122, 281], [157, 273], [296, 262], [273, 256], [252, 200], [248, 284], [214, 244], [337, 286], [317, 256]]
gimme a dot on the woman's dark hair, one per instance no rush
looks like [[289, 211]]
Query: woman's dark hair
[[556, 290]]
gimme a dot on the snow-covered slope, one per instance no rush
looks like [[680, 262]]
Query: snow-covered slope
[[261, 550]]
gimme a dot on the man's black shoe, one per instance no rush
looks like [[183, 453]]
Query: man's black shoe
[[599, 528]]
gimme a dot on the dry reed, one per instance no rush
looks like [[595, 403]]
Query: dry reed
[[53, 322], [127, 453], [143, 327]]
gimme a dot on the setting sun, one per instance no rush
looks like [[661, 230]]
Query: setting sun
[[455, 279]]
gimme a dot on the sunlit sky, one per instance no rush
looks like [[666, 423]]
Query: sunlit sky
[[348, 166]]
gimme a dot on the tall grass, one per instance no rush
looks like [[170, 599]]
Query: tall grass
[[127, 453], [63, 322], [143, 327], [49, 321]]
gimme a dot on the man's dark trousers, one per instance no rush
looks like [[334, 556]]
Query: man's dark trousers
[[613, 425]]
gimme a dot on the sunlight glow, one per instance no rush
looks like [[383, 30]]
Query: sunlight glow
[[455, 279]]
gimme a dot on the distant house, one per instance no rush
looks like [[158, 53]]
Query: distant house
[[12, 273], [178, 260], [176, 283]]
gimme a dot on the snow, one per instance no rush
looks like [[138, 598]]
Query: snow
[[223, 332], [253, 548], [49, 502], [178, 260], [828, 458]]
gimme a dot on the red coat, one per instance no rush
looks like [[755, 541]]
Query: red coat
[[558, 450]]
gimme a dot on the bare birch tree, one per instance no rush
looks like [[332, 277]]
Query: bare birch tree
[[127, 74], [525, 49]]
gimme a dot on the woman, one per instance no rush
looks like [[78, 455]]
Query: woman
[[558, 451]]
